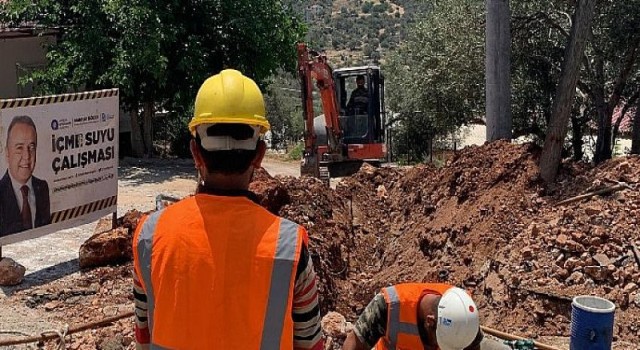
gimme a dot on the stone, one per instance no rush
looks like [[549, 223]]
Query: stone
[[602, 259], [574, 246], [381, 191], [630, 288], [562, 239], [563, 274], [575, 278], [110, 310], [571, 263], [598, 273], [577, 236], [334, 325], [106, 248], [11, 273], [527, 253], [592, 210], [52, 305]]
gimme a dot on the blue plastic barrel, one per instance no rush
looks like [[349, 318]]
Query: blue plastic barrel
[[591, 323]]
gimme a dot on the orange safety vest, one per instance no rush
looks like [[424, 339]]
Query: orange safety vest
[[402, 314], [219, 273]]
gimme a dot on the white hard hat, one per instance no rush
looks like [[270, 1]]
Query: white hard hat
[[458, 321]]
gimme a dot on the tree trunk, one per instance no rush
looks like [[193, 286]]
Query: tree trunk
[[557, 131], [635, 139], [625, 109], [137, 146], [576, 141], [498, 70], [603, 143], [605, 113], [148, 128]]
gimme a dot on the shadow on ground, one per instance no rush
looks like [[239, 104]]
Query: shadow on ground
[[44, 276], [139, 171]]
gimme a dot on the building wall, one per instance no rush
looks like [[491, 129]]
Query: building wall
[[18, 55]]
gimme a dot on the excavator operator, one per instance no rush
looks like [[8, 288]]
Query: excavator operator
[[359, 100]]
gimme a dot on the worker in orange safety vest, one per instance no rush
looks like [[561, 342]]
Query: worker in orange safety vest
[[416, 316], [217, 270]]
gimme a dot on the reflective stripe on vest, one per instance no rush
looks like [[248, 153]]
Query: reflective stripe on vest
[[394, 325], [145, 246], [281, 277], [280, 280]]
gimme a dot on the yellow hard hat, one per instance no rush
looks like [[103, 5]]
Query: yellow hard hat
[[229, 97]]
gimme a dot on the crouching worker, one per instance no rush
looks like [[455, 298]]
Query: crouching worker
[[217, 270], [416, 316]]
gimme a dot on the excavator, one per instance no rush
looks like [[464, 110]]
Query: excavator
[[348, 133]]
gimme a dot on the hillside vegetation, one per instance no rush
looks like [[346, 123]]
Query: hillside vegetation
[[360, 31]]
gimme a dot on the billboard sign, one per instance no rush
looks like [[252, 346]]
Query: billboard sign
[[58, 162]]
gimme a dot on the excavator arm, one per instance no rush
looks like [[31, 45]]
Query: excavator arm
[[314, 66]]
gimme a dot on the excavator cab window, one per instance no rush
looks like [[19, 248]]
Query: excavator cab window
[[359, 94]]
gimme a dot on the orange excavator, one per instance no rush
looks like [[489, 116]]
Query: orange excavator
[[351, 131]]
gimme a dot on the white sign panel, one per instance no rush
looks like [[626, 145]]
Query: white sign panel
[[58, 162]]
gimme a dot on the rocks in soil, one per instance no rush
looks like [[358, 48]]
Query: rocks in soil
[[334, 325], [486, 219], [11, 273], [271, 193], [106, 248]]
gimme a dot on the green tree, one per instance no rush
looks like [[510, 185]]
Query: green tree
[[158, 52], [436, 78], [611, 62], [284, 110], [367, 6]]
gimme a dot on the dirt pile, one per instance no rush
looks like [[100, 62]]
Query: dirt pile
[[110, 246], [271, 193], [484, 221]]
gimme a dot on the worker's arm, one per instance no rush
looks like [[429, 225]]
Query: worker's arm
[[370, 327], [307, 333], [143, 337], [353, 343]]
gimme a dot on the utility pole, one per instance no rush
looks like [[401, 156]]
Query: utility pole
[[498, 69]]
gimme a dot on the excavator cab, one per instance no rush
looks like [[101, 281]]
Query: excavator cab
[[360, 95], [351, 129]]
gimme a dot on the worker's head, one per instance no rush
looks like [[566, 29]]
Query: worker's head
[[22, 141], [451, 319], [360, 80], [228, 121]]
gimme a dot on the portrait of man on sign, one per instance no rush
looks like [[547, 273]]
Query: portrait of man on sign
[[24, 199]]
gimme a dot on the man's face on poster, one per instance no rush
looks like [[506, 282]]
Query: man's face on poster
[[21, 151]]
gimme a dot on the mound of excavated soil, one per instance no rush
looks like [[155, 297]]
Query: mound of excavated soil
[[483, 221]]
